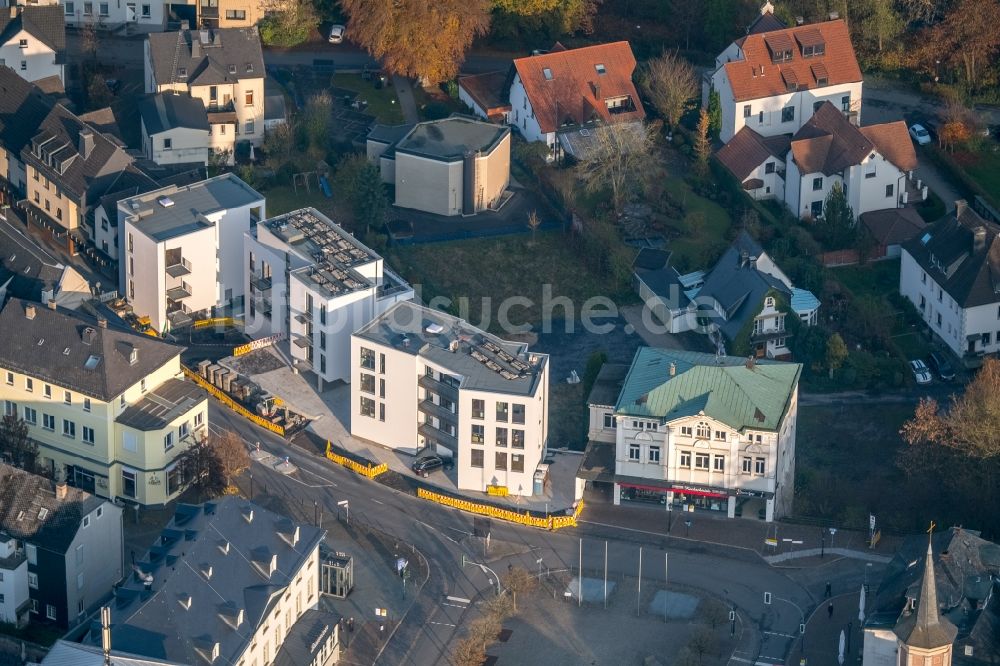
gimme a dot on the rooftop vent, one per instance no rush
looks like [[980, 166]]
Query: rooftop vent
[[88, 335], [547, 73], [66, 351], [673, 369], [29, 311], [43, 513], [800, 20], [434, 329], [52, 304], [166, 202], [834, 16], [62, 490], [102, 322], [133, 356]]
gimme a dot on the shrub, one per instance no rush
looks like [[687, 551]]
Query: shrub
[[436, 111]]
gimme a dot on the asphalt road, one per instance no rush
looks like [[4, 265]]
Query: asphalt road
[[440, 534]]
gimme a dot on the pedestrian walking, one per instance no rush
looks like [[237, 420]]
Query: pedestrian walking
[[828, 590], [829, 610]]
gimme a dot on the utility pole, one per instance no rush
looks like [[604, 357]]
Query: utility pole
[[638, 595], [579, 577], [605, 574], [666, 571]]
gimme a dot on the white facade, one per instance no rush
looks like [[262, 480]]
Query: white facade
[[875, 184], [178, 145], [142, 15], [293, 288], [14, 600], [183, 248], [522, 116], [420, 391], [31, 58]]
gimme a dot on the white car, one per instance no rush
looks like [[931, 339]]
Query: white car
[[920, 134], [336, 35], [920, 372]]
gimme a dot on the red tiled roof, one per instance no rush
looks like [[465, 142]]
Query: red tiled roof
[[576, 91], [487, 91], [828, 143], [893, 141], [756, 76], [748, 150]]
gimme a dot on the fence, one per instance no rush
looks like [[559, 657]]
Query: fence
[[369, 471], [215, 321], [543, 522], [224, 398]]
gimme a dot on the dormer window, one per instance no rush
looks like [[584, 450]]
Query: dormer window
[[810, 42], [182, 72], [547, 73], [600, 68], [780, 46], [249, 68], [232, 69]]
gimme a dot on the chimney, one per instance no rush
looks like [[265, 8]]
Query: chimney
[[29, 311], [751, 362], [978, 239], [834, 16], [744, 256], [102, 322], [13, 11], [673, 369], [960, 207], [799, 20], [62, 490], [52, 304], [185, 25], [195, 48], [86, 143]]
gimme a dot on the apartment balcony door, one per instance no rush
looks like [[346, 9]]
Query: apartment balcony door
[[130, 15]]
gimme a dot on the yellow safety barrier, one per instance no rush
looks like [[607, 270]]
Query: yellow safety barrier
[[224, 398], [215, 321], [498, 491], [370, 471], [550, 523]]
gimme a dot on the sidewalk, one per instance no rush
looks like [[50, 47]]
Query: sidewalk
[[821, 643], [404, 91]]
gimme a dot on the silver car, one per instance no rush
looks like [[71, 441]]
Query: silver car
[[336, 35], [920, 372]]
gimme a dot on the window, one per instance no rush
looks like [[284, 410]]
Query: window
[[760, 118], [478, 408], [518, 414], [248, 98], [88, 8], [23, 43], [29, 384], [367, 358], [199, 418], [516, 463], [103, 8], [986, 339], [248, 127], [381, 388], [701, 461], [501, 460], [517, 439], [88, 435], [476, 458], [685, 459], [633, 452], [236, 14], [654, 454], [758, 466], [367, 383], [502, 410], [30, 416], [128, 483], [769, 167], [381, 363], [10, 378], [50, 611], [67, 398], [69, 9], [86, 522], [609, 420], [704, 432], [79, 583], [168, 143], [367, 407], [747, 465], [32, 553], [33, 579], [146, 11], [79, 554], [168, 441], [719, 463], [48, 422], [845, 103], [686, 431], [889, 190], [69, 428], [817, 184], [788, 114], [720, 436], [47, 391], [478, 434], [381, 411], [10, 408], [100, 511], [502, 437], [746, 111]]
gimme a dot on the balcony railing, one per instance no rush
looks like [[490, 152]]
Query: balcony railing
[[438, 411], [432, 434], [444, 390], [178, 267], [260, 283], [177, 293]]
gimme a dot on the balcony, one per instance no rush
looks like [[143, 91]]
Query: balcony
[[771, 334], [178, 293], [438, 411], [221, 113], [436, 435], [444, 390], [261, 283], [177, 266]]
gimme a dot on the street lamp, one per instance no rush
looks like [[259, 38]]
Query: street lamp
[[687, 527], [822, 543], [347, 508], [485, 569]]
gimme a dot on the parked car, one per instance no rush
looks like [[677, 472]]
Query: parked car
[[336, 34], [939, 364], [920, 372], [920, 134], [424, 465]]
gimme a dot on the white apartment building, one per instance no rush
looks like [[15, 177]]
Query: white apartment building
[[311, 281], [704, 432], [108, 407], [424, 380], [175, 129], [183, 248], [224, 68], [232, 583], [137, 15], [33, 43], [15, 603], [949, 274], [774, 78]]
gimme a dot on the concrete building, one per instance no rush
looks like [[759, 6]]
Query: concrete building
[[224, 68], [310, 281], [455, 166], [108, 407], [33, 43], [697, 432], [774, 78], [428, 381], [233, 583], [131, 15], [948, 274], [70, 540], [183, 249], [175, 129]]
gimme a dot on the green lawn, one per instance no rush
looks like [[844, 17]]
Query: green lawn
[[283, 198], [498, 269], [984, 168], [382, 104], [879, 278], [705, 224]]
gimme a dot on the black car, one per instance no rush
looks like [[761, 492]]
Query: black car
[[939, 364], [424, 465]]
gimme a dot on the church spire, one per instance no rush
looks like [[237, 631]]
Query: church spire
[[926, 629]]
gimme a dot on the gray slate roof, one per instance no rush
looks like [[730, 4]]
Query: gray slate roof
[[64, 653], [206, 57], [37, 347], [31, 497], [158, 408], [404, 326], [152, 623], [23, 107], [29, 268], [608, 384], [46, 23], [167, 111]]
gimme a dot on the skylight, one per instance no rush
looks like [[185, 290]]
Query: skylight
[[92, 362], [600, 68], [547, 73], [925, 238], [43, 513]]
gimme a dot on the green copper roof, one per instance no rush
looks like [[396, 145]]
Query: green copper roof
[[724, 388]]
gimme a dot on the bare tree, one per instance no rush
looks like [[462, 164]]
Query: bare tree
[[519, 581], [714, 613], [468, 652], [232, 452], [534, 222], [500, 607], [702, 145], [484, 629], [15, 444], [620, 158], [88, 39], [702, 644], [670, 82]]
